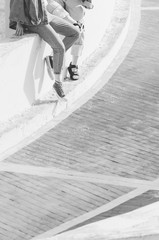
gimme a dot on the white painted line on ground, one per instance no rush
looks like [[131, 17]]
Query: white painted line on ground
[[138, 224], [50, 234], [76, 176]]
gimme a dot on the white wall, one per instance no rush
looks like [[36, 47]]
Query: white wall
[[22, 74]]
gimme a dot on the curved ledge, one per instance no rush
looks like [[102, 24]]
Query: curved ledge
[[22, 71]]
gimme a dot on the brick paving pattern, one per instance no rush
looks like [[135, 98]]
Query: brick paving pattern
[[40, 204], [115, 133]]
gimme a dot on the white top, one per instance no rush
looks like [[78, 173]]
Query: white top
[[73, 7], [55, 8]]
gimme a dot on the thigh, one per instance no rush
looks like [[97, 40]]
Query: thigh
[[63, 27], [48, 34]]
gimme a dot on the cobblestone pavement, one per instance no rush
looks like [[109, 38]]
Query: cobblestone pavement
[[99, 162]]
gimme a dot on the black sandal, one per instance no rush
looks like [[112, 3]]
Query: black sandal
[[73, 71]]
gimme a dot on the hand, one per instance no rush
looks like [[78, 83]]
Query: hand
[[87, 4], [80, 25], [19, 29]]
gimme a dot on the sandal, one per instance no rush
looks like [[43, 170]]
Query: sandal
[[73, 71]]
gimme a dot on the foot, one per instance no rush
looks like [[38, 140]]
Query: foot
[[49, 64], [59, 90], [73, 71]]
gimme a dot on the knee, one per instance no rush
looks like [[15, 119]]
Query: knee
[[59, 49], [76, 33]]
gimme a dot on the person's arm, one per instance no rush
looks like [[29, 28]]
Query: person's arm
[[16, 15], [61, 2], [57, 9], [70, 19], [19, 29]]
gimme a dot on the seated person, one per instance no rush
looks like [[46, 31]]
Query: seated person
[[74, 12]]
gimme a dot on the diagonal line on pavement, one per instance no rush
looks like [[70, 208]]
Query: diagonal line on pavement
[[149, 8], [76, 176], [49, 235]]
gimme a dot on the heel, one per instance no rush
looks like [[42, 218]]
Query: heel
[[73, 72]]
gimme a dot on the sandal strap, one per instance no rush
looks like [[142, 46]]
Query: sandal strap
[[75, 76], [73, 71]]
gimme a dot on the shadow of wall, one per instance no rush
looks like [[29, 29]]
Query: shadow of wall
[[23, 75]]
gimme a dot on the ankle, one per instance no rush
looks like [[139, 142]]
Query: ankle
[[57, 77], [72, 64], [75, 60]]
